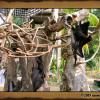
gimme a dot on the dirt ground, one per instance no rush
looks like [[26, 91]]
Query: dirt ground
[[54, 88], [57, 87]]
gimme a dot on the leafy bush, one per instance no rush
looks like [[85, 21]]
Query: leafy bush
[[18, 20]]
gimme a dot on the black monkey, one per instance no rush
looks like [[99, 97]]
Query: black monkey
[[38, 75], [80, 38], [80, 34]]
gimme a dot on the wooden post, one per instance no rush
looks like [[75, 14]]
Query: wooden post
[[55, 15]]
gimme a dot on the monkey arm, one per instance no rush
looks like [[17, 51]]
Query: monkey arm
[[78, 34]]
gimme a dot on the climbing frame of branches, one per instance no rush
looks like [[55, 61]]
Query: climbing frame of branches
[[23, 41], [14, 36]]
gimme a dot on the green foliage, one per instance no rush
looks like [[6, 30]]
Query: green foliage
[[53, 68], [97, 76], [93, 45], [96, 12], [62, 65], [93, 19], [18, 20], [91, 64], [69, 11], [86, 49]]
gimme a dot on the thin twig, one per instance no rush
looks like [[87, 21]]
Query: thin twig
[[9, 15], [36, 33], [21, 41]]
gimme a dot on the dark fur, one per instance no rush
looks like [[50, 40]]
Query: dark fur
[[38, 75], [80, 36]]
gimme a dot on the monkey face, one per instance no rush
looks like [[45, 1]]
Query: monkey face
[[68, 19]]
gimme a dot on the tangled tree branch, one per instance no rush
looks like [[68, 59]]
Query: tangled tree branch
[[18, 36]]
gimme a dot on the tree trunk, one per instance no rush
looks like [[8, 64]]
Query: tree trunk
[[74, 76], [11, 75], [69, 70], [80, 80], [58, 42], [26, 82]]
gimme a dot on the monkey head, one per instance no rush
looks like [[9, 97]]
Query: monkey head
[[69, 19]]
